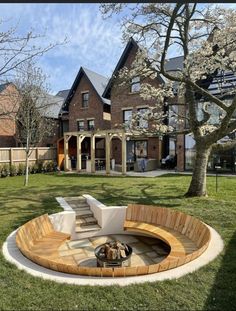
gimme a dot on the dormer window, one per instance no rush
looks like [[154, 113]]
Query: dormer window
[[85, 99], [135, 85]]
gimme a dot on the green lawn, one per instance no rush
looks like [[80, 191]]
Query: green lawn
[[213, 287]]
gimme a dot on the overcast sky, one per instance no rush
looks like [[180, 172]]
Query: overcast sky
[[93, 42]]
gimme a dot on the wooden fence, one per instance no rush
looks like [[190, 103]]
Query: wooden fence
[[17, 155]]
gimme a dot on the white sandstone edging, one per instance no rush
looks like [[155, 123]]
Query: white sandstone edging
[[14, 256], [64, 221], [64, 204]]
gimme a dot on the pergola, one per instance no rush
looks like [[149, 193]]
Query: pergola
[[108, 135]]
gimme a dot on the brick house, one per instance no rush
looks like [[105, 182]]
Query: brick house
[[85, 109], [96, 107], [8, 110], [217, 84], [126, 101]]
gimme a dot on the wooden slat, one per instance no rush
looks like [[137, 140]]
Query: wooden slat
[[187, 236]]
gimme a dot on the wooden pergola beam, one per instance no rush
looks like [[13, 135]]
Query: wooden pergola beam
[[92, 153], [108, 153], [66, 150], [123, 148]]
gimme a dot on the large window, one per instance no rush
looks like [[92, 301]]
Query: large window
[[85, 99], [80, 125], [172, 146], [136, 149], [143, 122], [141, 148], [90, 125], [190, 152], [130, 151], [135, 84], [127, 116]]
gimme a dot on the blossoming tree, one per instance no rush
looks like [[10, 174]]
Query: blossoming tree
[[205, 37]]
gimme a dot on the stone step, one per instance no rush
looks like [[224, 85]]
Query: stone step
[[92, 227], [79, 198], [84, 213], [83, 221], [80, 214], [80, 207]]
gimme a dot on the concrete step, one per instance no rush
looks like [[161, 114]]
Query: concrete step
[[92, 227]]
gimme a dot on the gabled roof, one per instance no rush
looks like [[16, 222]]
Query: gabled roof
[[63, 93], [174, 63], [131, 44], [97, 81], [54, 105]]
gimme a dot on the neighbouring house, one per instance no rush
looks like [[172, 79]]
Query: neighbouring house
[[184, 145], [8, 108], [51, 115], [63, 94]]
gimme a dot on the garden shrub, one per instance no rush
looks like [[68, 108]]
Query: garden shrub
[[13, 170], [5, 170], [40, 166], [21, 169], [34, 168], [49, 166]]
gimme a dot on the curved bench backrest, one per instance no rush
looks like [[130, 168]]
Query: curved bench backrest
[[32, 231], [187, 225]]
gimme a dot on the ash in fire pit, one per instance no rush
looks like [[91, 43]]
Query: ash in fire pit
[[113, 254]]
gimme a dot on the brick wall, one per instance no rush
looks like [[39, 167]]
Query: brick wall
[[180, 149], [121, 99], [52, 139], [94, 109], [8, 107]]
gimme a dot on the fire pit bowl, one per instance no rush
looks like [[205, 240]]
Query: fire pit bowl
[[113, 254]]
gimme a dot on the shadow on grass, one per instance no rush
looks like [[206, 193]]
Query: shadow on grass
[[222, 296]]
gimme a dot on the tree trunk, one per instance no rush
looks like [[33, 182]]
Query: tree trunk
[[198, 183], [26, 169]]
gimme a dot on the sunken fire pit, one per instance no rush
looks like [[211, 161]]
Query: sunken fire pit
[[113, 254]]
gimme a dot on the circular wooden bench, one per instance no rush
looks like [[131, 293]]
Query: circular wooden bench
[[187, 237]]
